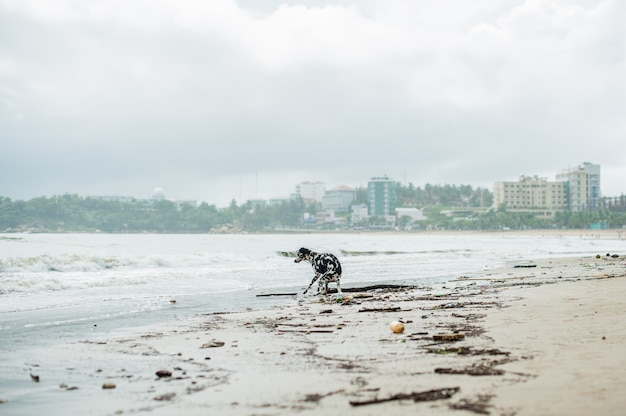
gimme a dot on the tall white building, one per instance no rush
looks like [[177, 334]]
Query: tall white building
[[582, 187], [311, 191]]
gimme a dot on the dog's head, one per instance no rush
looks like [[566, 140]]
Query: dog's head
[[303, 254]]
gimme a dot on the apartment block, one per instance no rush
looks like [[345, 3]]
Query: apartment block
[[531, 194], [311, 192], [381, 193], [582, 187], [339, 198]]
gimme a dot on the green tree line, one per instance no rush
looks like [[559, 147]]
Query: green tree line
[[73, 213]]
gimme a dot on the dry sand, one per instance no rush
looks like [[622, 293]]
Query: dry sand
[[545, 339]]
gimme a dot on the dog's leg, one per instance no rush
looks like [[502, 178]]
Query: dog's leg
[[324, 281], [338, 286], [323, 284], [320, 284], [317, 276]]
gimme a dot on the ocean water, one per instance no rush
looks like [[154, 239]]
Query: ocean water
[[59, 287]]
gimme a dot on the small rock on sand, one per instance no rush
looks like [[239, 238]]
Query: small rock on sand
[[165, 397], [213, 344]]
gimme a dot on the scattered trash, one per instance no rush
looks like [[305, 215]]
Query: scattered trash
[[478, 370], [449, 337], [423, 396], [466, 351], [390, 309], [35, 378], [108, 386], [164, 373]]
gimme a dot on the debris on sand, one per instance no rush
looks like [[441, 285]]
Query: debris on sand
[[213, 344], [423, 396], [449, 337]]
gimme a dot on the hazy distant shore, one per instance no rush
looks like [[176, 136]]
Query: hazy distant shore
[[617, 233]]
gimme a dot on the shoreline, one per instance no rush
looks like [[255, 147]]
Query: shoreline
[[609, 233], [543, 338]]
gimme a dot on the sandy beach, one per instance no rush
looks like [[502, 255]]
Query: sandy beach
[[533, 338]]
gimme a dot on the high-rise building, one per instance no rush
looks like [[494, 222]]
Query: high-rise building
[[339, 198], [311, 192], [582, 187], [381, 194]]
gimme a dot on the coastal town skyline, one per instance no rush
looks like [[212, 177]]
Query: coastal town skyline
[[584, 176]]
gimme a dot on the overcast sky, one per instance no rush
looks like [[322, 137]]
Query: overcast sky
[[221, 99]]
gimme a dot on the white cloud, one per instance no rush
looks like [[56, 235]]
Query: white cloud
[[448, 91]]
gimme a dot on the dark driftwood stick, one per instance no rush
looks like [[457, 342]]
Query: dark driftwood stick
[[390, 309], [345, 289], [372, 287], [262, 295], [307, 331], [423, 396]]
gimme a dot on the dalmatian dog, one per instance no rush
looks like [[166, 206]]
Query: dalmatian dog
[[326, 267]]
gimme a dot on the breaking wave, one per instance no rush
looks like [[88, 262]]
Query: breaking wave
[[356, 253]]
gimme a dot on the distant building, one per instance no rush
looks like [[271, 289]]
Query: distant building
[[381, 194], [532, 195], [273, 202], [339, 198], [359, 213], [158, 194], [413, 213], [325, 217], [311, 192], [582, 187]]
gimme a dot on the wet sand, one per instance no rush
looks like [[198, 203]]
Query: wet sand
[[542, 338]]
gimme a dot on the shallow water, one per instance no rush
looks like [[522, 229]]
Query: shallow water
[[60, 286]]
